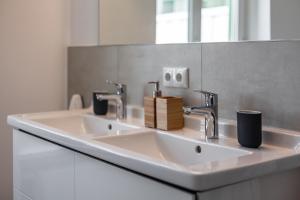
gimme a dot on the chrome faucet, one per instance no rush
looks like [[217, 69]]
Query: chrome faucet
[[120, 97], [210, 110]]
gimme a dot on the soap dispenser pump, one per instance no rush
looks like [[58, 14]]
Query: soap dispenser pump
[[156, 92], [150, 105]]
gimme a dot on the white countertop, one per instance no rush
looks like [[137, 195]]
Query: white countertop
[[279, 151]]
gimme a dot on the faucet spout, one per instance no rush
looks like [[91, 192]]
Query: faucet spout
[[120, 97], [119, 103]]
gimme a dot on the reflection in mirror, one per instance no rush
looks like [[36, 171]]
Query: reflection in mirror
[[183, 21], [216, 20], [172, 21], [126, 21]]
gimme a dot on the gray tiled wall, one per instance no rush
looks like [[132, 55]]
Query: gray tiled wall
[[247, 75], [258, 75]]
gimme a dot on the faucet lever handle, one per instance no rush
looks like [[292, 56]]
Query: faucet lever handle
[[118, 85], [210, 98], [206, 93], [121, 88]]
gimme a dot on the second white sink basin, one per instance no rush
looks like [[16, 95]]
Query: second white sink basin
[[173, 149]]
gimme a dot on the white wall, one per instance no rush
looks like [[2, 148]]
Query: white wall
[[127, 21], [33, 41], [84, 22], [285, 19]]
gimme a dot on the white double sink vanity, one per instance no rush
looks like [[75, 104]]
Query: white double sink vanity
[[68, 155]]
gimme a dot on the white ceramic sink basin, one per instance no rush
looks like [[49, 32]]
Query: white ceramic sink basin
[[174, 149], [87, 124], [177, 157]]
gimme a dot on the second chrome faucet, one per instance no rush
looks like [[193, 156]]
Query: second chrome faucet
[[210, 110], [120, 97]]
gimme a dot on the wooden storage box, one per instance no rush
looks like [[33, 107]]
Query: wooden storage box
[[169, 113]]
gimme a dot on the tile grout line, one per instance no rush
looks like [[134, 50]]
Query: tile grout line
[[201, 75], [118, 63], [201, 65]]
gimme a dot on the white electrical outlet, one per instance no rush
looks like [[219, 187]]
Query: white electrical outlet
[[181, 77], [168, 74], [176, 77]]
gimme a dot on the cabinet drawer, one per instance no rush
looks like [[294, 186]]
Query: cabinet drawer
[[42, 170], [97, 180]]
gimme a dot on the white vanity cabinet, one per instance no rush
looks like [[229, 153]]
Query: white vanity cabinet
[[99, 180], [42, 170], [20, 196], [46, 171]]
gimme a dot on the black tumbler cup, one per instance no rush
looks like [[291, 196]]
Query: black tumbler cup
[[100, 106], [249, 128]]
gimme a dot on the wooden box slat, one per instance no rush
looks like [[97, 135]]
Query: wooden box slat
[[169, 113], [150, 112]]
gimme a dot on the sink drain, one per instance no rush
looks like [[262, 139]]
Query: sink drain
[[198, 149], [109, 126]]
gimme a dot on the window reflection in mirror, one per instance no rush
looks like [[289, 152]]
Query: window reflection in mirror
[[182, 21], [216, 20], [172, 21]]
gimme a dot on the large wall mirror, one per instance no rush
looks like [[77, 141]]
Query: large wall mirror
[[109, 22]]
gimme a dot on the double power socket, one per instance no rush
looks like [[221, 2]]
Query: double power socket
[[176, 77]]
